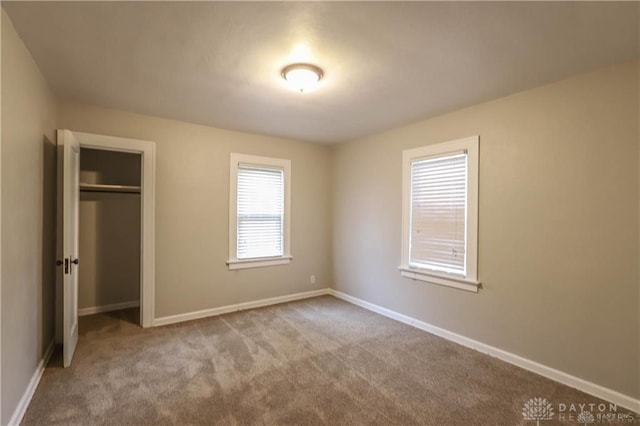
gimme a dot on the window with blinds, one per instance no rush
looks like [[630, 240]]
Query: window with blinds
[[438, 213], [260, 212]]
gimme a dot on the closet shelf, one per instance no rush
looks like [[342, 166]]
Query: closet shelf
[[94, 187]]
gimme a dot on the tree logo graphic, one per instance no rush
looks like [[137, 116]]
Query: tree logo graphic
[[586, 417], [537, 409]]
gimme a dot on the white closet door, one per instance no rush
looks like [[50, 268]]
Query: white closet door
[[68, 198]]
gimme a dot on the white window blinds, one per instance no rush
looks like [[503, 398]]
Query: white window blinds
[[438, 213], [260, 212]]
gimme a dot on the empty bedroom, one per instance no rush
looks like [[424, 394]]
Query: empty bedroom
[[332, 213]]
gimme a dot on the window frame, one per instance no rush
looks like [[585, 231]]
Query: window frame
[[268, 162], [469, 281]]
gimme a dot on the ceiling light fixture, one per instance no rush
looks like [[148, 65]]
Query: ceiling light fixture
[[302, 76]]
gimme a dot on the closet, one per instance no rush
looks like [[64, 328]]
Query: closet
[[109, 232]]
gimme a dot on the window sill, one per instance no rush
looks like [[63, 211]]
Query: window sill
[[440, 279], [258, 263]]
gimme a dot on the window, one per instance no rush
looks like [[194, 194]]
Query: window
[[440, 213], [258, 211]]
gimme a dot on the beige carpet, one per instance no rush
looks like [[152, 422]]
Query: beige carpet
[[317, 361]]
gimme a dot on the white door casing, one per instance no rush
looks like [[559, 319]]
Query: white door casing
[[147, 150]]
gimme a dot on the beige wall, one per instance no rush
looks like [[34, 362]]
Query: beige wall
[[558, 243], [28, 214], [109, 228], [192, 209]]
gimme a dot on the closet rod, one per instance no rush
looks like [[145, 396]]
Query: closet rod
[[93, 187]]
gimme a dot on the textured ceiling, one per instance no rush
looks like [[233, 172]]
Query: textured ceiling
[[385, 63]]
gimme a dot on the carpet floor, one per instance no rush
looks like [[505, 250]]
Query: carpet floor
[[317, 361]]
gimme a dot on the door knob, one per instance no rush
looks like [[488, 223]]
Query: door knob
[[72, 262], [59, 262]]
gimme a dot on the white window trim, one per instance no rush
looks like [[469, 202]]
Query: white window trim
[[285, 165], [470, 281]]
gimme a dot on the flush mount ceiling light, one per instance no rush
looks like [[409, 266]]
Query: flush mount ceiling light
[[302, 76]]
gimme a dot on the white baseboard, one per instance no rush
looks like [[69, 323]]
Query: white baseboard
[[172, 319], [21, 409], [108, 308], [535, 367]]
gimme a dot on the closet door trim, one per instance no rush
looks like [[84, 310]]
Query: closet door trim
[[147, 149]]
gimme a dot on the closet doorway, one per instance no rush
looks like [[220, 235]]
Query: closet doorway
[[109, 231], [106, 224]]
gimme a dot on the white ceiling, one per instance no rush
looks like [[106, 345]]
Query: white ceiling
[[385, 63]]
